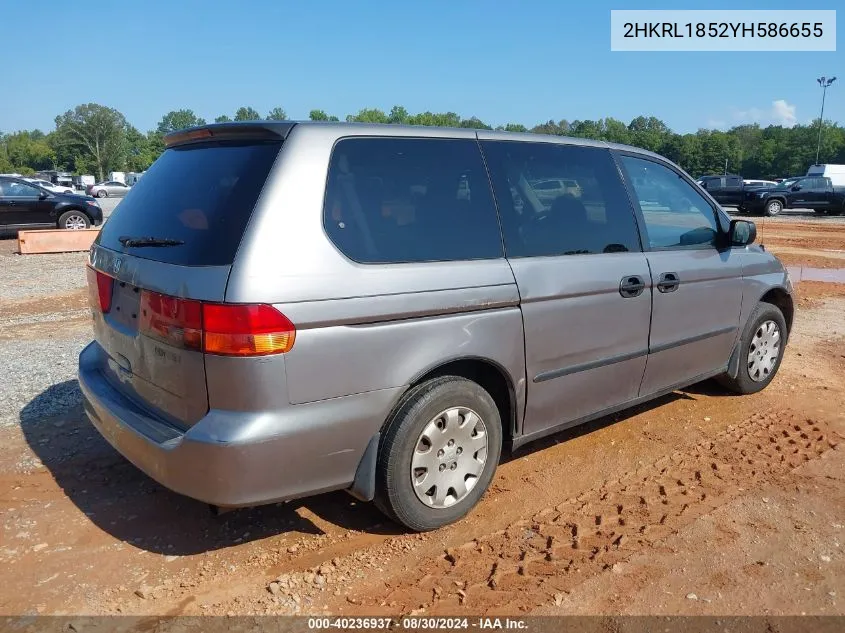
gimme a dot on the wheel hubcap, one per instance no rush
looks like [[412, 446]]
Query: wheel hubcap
[[449, 457], [75, 222], [774, 207], [764, 351]]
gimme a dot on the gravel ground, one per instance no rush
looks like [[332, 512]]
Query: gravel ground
[[32, 276], [667, 499], [38, 366], [35, 356], [108, 205], [786, 216]]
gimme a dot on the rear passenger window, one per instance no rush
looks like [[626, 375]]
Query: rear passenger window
[[394, 200], [586, 212], [676, 215]]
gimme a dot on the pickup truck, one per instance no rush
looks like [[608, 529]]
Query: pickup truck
[[726, 190], [802, 192]]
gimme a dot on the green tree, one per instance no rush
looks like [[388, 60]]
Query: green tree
[[223, 118], [398, 114], [178, 120], [616, 131], [550, 127], [5, 163], [142, 149], [368, 115], [587, 129], [245, 113], [97, 133], [648, 132], [475, 123], [277, 114], [30, 149], [320, 115]]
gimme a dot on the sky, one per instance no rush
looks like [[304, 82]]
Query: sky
[[500, 60]]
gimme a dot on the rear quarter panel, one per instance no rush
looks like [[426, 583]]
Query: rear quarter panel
[[363, 327]]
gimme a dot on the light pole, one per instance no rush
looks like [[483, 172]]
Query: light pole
[[824, 82]]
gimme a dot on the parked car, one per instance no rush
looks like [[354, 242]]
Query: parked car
[[49, 186], [806, 192], [265, 329], [111, 188], [836, 173], [25, 205], [549, 189]]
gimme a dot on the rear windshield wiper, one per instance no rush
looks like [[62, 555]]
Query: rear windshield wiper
[[149, 241]]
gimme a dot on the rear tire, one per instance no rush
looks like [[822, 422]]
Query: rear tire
[[760, 351], [102, 193], [773, 208], [438, 453], [74, 220]]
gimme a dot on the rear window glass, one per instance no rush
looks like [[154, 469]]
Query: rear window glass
[[200, 194], [393, 200]]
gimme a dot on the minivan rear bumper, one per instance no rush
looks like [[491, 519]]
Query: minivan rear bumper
[[235, 458]]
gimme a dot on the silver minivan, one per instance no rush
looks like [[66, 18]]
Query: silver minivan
[[282, 309]]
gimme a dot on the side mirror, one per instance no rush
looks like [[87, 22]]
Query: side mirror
[[742, 232], [795, 188], [43, 195]]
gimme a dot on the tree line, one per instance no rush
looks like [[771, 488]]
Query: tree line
[[97, 139]]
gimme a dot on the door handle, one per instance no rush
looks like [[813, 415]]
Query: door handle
[[668, 282], [631, 286]]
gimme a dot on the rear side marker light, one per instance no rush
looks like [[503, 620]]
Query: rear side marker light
[[216, 328]]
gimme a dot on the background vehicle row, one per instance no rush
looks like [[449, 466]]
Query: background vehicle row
[[25, 205]]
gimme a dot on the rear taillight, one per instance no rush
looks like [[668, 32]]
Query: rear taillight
[[246, 330], [216, 328], [99, 290], [172, 320]]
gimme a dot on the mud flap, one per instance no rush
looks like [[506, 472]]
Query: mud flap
[[733, 363], [364, 486]]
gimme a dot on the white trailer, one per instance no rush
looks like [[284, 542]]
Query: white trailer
[[132, 177], [119, 176], [836, 173]]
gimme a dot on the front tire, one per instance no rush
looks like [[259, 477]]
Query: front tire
[[74, 221], [760, 351], [102, 193], [438, 453], [774, 207]]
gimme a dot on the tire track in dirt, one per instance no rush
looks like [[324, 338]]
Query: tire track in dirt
[[533, 562]]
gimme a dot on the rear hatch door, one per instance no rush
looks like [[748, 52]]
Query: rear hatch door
[[171, 243]]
